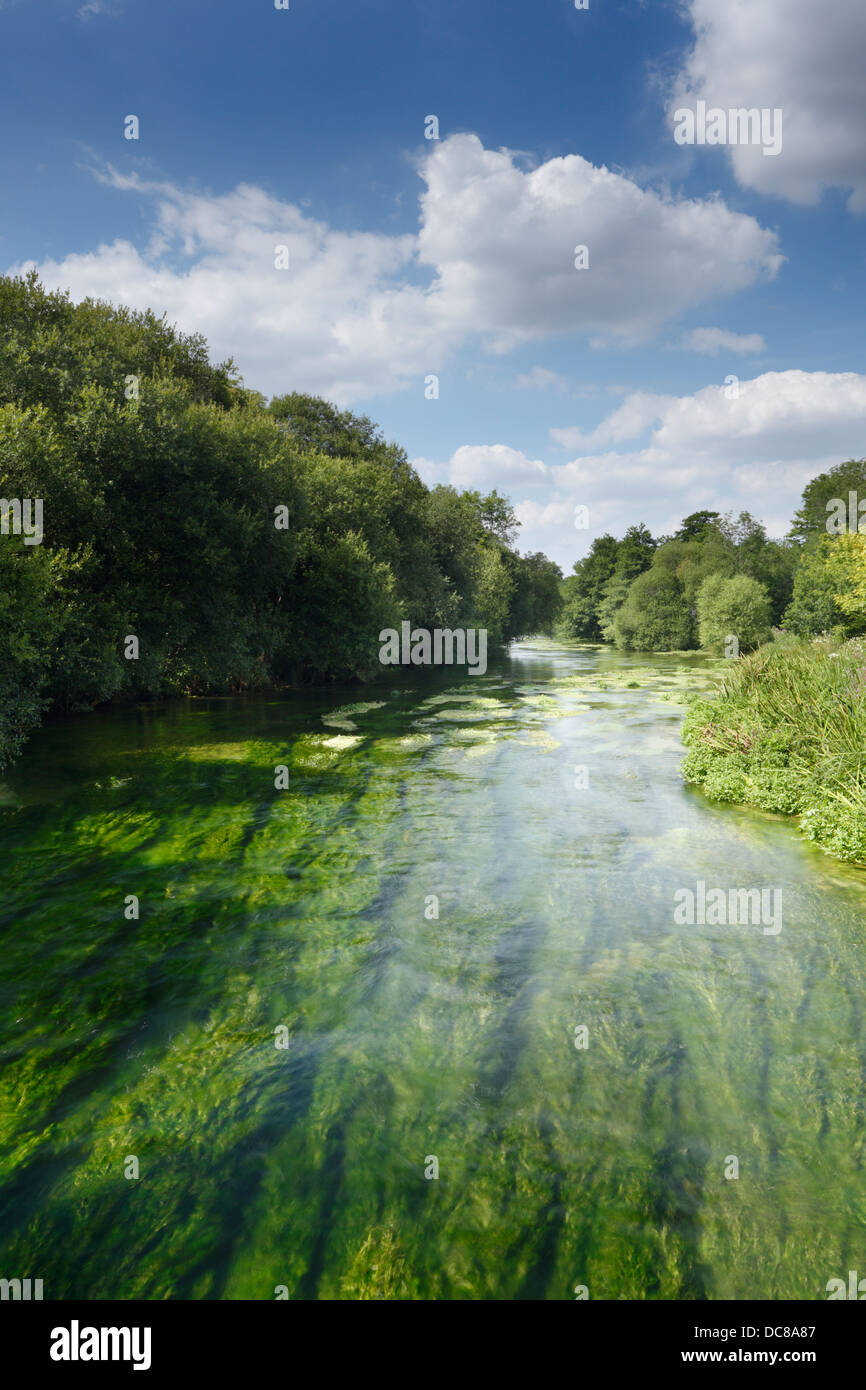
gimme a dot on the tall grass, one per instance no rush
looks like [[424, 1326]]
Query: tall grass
[[787, 733]]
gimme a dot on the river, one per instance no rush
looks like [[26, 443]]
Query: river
[[449, 946]]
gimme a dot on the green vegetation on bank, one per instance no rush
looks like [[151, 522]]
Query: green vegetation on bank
[[787, 733], [244, 544], [665, 594], [718, 576]]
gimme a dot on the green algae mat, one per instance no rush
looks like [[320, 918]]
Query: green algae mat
[[381, 995]]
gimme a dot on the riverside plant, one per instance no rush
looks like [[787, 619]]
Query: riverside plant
[[787, 733]]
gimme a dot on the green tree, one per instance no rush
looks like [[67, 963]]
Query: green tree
[[614, 596], [318, 427], [847, 563], [810, 521], [52, 349], [493, 593], [584, 590], [240, 543], [654, 616], [634, 553], [536, 599], [737, 607], [31, 619], [696, 526], [814, 607], [342, 598]]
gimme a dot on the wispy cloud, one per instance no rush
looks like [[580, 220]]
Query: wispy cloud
[[91, 8], [711, 341]]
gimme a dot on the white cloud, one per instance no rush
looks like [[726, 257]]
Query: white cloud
[[331, 322], [352, 317], [639, 410], [484, 466], [494, 465], [541, 379], [502, 241], [711, 341], [754, 453], [803, 57]]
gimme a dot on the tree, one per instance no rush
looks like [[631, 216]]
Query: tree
[[820, 579], [318, 427], [846, 561], [536, 601], [810, 521], [737, 607], [497, 516], [614, 596], [654, 616], [30, 620], [454, 530], [634, 553], [52, 349], [493, 594], [240, 543], [342, 598], [695, 527], [585, 588]]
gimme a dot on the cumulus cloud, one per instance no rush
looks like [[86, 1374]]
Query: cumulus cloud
[[494, 465], [796, 55], [639, 410], [711, 341], [503, 239], [752, 450], [359, 314], [335, 321]]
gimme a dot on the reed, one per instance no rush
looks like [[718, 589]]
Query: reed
[[787, 733]]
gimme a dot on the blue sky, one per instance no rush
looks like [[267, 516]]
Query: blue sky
[[603, 387]]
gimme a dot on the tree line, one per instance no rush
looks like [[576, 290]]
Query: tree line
[[243, 543], [248, 543], [720, 576]]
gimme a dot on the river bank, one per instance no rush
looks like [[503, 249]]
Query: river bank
[[787, 733]]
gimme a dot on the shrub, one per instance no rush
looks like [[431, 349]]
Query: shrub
[[738, 607]]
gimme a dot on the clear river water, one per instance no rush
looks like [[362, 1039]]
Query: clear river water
[[448, 947]]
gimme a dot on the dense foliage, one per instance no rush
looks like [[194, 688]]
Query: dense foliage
[[788, 731], [788, 734], [643, 594], [240, 543]]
